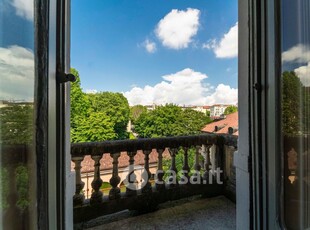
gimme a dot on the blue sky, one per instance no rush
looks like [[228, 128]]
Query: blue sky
[[175, 51], [16, 50]]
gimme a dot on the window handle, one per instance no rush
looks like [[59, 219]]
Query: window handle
[[257, 86], [65, 77]]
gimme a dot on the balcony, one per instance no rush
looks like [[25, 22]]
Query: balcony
[[212, 175]]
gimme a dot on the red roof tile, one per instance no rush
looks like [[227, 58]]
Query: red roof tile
[[231, 120]]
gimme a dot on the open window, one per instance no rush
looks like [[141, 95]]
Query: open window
[[272, 162]]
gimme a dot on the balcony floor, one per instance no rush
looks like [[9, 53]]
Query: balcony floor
[[191, 213]]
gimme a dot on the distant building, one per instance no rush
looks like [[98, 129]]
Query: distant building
[[2, 104], [6, 103], [217, 110], [214, 111], [150, 107], [207, 107], [227, 125], [202, 109]]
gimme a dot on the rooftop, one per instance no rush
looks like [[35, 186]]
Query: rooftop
[[222, 126]]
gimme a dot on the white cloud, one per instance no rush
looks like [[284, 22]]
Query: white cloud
[[149, 46], [24, 8], [299, 53], [227, 47], [16, 73], [91, 91], [223, 94], [303, 73], [178, 27], [211, 44], [183, 88]]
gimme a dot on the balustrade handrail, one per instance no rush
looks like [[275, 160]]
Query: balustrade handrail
[[145, 196], [98, 148]]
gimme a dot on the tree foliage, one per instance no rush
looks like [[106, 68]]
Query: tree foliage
[[22, 186], [179, 161], [291, 103], [295, 105], [95, 127], [194, 120], [170, 120], [99, 116], [80, 104], [4, 180], [136, 111], [115, 106], [230, 109], [16, 122]]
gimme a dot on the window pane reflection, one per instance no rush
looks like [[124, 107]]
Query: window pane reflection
[[17, 157], [296, 111]]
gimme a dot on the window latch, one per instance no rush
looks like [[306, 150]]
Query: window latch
[[257, 86], [65, 77]]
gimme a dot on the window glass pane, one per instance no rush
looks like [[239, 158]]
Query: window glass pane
[[17, 163], [296, 111]]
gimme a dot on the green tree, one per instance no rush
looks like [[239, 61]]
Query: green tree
[[194, 121], [295, 105], [292, 95], [4, 180], [97, 117], [230, 109], [79, 102], [306, 110], [160, 122], [22, 186], [16, 122], [179, 161], [96, 127], [136, 111], [115, 106], [170, 120], [208, 113]]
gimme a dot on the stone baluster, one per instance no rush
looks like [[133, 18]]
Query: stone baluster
[[78, 198], [96, 196], [185, 168], [218, 164], [115, 179], [197, 165], [131, 179], [196, 175], [205, 151], [216, 157], [229, 172], [172, 179], [146, 175], [219, 167], [214, 151], [229, 154], [160, 184]]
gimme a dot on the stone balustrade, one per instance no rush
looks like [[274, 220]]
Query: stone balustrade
[[212, 173]]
